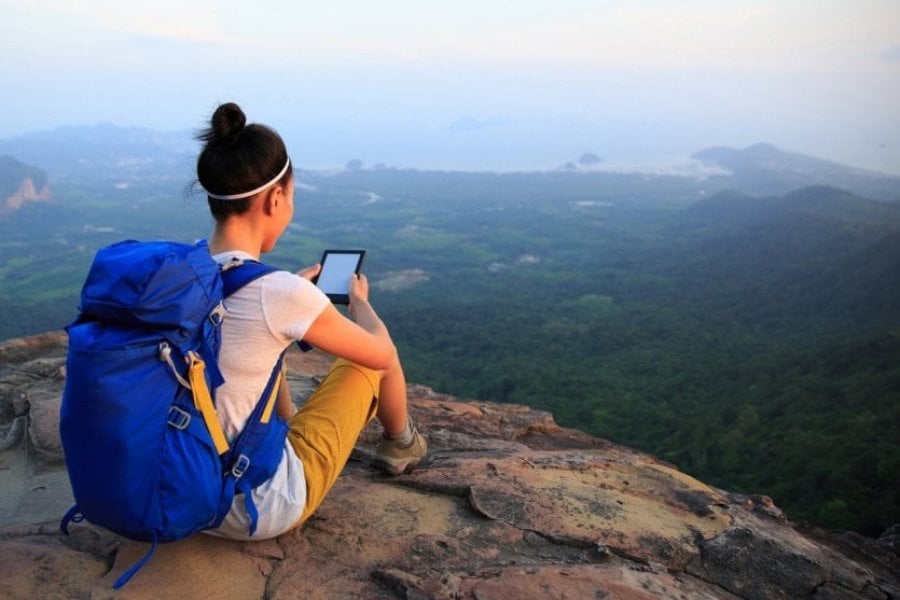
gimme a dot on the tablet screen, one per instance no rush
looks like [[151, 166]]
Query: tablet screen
[[337, 268]]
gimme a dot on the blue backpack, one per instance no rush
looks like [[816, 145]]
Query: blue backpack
[[146, 455]]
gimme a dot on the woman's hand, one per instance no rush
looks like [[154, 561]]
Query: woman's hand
[[358, 289], [310, 272], [362, 338]]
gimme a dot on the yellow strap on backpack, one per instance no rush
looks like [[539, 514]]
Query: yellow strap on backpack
[[270, 403], [203, 402]]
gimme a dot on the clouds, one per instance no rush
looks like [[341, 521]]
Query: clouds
[[562, 75], [649, 34], [892, 55], [802, 34], [193, 22]]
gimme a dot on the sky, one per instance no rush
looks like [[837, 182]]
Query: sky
[[484, 85]]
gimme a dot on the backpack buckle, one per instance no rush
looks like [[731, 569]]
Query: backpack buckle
[[217, 315], [240, 465], [178, 418], [233, 263]]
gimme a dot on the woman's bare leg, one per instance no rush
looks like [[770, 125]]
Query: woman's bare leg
[[392, 411]]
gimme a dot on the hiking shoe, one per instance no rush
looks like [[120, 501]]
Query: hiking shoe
[[394, 458]]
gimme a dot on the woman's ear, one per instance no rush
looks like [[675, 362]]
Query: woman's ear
[[270, 203]]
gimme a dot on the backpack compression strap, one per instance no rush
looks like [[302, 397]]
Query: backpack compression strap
[[203, 402]]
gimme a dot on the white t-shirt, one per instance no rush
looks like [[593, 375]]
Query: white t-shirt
[[261, 320]]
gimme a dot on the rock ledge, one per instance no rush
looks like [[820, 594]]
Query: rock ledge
[[508, 505]]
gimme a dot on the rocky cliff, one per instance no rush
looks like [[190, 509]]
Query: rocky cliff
[[508, 505], [20, 183]]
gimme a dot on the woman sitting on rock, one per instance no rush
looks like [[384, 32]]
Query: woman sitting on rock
[[247, 174]]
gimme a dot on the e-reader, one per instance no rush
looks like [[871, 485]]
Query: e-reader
[[337, 268]]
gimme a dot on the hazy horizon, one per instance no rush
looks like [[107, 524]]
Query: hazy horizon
[[483, 86]]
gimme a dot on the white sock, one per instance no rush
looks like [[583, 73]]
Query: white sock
[[405, 437]]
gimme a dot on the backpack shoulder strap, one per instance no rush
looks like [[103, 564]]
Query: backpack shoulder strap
[[234, 278], [245, 453], [235, 275], [238, 273], [256, 452]]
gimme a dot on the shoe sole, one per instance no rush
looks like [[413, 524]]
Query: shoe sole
[[399, 468]]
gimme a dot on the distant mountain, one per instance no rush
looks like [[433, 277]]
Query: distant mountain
[[732, 208], [104, 152], [589, 159], [20, 183], [818, 254], [763, 169]]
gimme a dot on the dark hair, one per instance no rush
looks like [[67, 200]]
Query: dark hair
[[237, 158]]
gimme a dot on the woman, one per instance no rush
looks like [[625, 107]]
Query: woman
[[247, 174]]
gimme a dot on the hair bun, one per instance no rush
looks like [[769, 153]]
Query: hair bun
[[226, 125]]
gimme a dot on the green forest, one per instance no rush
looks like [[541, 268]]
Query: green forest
[[754, 342]]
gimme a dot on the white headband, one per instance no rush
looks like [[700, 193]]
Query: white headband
[[251, 192]]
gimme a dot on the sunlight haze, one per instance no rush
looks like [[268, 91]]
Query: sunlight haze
[[471, 85]]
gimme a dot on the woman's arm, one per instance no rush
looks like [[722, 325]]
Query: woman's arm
[[365, 341], [284, 404]]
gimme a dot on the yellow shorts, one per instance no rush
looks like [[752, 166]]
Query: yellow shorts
[[325, 429]]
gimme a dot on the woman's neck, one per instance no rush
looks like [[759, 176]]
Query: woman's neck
[[231, 236]]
